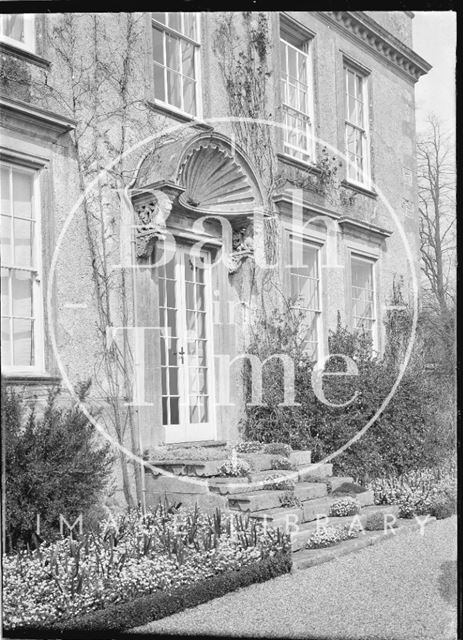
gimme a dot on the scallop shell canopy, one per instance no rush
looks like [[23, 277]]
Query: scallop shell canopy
[[214, 180]]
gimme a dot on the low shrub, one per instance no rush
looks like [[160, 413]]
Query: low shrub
[[249, 446], [376, 521], [55, 464], [328, 536], [278, 448], [136, 554], [275, 482], [443, 507], [345, 507], [282, 463], [290, 500]]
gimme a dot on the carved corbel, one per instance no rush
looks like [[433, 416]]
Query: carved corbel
[[242, 247], [151, 222]]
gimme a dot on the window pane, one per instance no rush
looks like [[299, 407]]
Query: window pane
[[6, 359], [189, 22], [14, 26], [22, 194], [22, 293], [23, 243], [5, 191], [188, 61], [173, 52], [165, 417], [292, 64], [160, 16], [158, 47], [5, 239], [189, 96], [174, 20], [5, 293], [23, 343], [173, 89]]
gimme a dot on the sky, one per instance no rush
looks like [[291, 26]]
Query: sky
[[434, 39]]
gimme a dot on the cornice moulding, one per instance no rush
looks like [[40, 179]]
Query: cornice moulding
[[53, 122], [352, 223], [366, 30]]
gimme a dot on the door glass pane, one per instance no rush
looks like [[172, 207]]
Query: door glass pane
[[173, 380], [174, 412], [165, 414], [172, 351], [5, 292]]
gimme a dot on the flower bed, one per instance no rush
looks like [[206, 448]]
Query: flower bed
[[427, 491], [137, 555]]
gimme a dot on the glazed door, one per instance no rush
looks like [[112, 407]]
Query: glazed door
[[186, 347]]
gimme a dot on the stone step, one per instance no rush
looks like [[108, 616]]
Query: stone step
[[321, 506], [283, 518], [264, 499], [230, 486], [259, 461], [300, 536], [321, 470], [256, 500], [259, 476]]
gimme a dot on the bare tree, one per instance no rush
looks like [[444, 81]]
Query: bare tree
[[436, 192]]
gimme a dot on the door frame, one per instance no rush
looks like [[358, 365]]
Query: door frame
[[181, 432]]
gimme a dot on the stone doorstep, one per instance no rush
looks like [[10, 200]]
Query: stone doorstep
[[312, 508], [260, 500], [205, 501], [307, 558], [300, 537], [259, 461]]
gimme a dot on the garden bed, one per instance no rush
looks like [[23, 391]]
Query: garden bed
[[140, 567]]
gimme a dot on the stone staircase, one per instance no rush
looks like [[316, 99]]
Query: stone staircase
[[315, 490]]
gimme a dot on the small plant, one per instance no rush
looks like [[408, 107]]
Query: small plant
[[328, 536], [289, 500], [376, 521], [278, 448], [282, 463], [234, 467], [250, 446], [345, 507], [275, 482]]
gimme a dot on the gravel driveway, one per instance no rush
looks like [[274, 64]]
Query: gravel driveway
[[402, 588]]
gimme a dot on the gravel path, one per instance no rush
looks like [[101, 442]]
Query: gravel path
[[400, 589]]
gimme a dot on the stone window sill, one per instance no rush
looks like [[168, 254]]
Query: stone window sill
[[24, 54], [359, 189], [18, 378], [177, 115]]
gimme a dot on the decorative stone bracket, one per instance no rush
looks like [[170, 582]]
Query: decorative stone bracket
[[242, 245], [152, 213]]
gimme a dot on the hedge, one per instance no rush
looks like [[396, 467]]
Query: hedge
[[154, 606]]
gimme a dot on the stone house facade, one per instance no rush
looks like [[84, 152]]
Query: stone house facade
[[151, 116]]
